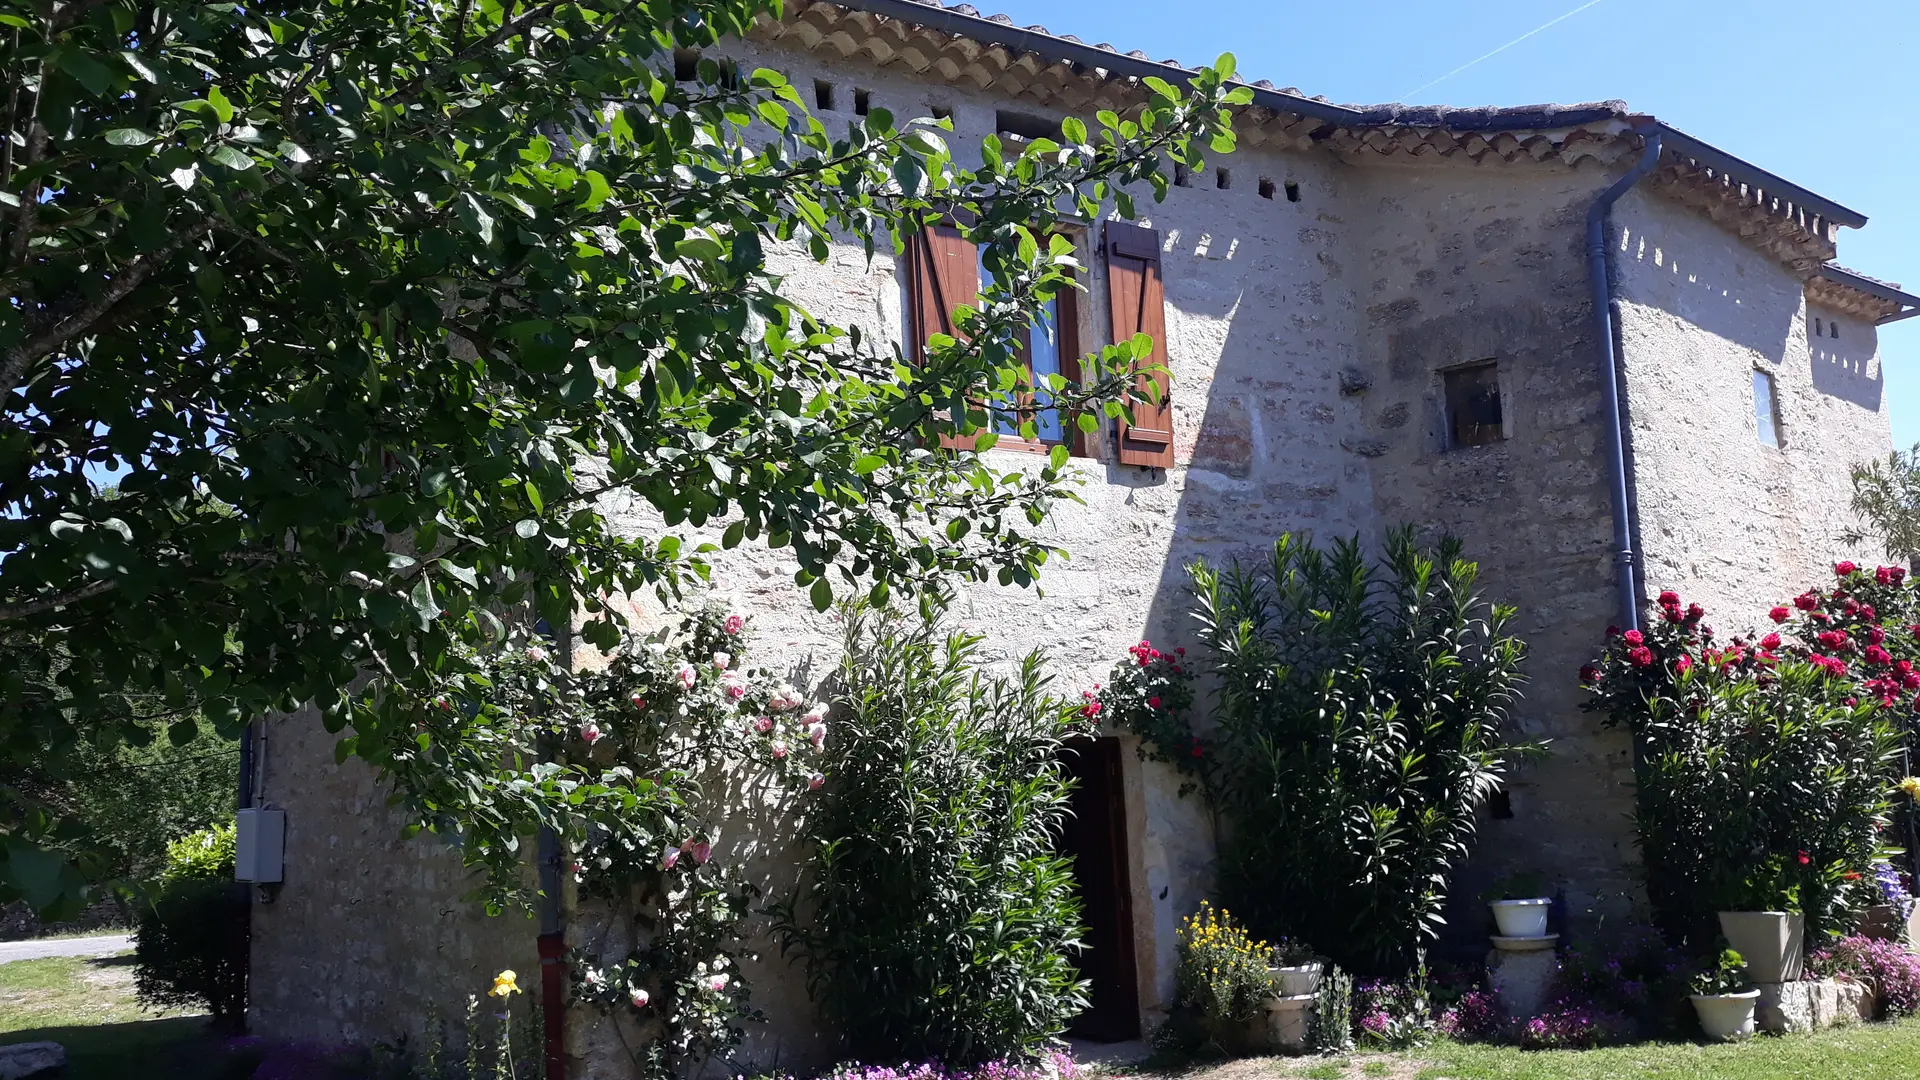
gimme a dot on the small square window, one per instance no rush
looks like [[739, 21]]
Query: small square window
[[1818, 331], [823, 95], [862, 101], [1833, 330], [1473, 405], [1766, 409]]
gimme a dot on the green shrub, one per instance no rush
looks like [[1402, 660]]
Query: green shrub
[[1356, 729], [190, 941], [939, 918]]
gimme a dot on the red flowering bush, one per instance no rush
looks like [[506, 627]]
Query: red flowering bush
[[1151, 694], [1763, 764]]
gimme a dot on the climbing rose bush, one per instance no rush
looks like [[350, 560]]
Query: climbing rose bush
[[636, 746], [1763, 764]]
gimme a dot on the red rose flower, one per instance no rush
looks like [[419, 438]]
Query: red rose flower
[[1780, 614], [1589, 675], [1153, 703], [1804, 857], [1669, 597], [1883, 575], [1875, 635], [1683, 665], [1844, 567], [1771, 641], [1866, 612], [1694, 612], [1613, 631], [1673, 614], [1877, 655], [1640, 656], [1635, 637], [1806, 601]]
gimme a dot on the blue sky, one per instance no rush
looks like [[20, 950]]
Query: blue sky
[[1818, 93]]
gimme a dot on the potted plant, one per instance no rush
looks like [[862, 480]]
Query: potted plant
[[1295, 969], [1519, 909], [1765, 925], [1724, 998]]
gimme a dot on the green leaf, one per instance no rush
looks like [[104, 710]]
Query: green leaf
[[86, 69], [462, 574], [230, 157], [533, 496], [867, 464], [821, 594], [221, 106], [128, 137], [526, 528], [474, 216]]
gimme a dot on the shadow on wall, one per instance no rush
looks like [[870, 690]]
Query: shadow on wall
[[1845, 368], [1715, 296]]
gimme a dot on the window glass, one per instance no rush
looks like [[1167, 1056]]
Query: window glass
[[1043, 359], [1766, 409]]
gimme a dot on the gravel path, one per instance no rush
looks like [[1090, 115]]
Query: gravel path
[[103, 945]]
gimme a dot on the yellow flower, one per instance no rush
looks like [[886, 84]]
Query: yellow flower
[[1911, 785], [505, 984]]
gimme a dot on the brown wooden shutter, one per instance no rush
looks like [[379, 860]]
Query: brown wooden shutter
[[945, 269], [1139, 307]]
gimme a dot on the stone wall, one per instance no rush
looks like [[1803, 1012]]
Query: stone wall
[[369, 938], [1723, 519], [1463, 264]]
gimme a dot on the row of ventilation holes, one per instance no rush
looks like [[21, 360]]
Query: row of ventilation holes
[[1016, 124]]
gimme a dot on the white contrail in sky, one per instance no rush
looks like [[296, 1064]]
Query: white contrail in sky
[[1408, 96]]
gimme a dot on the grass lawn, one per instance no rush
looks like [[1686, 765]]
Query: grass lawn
[[1870, 1052], [86, 1005]]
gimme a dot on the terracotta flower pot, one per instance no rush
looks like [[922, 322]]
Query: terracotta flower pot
[[1726, 1016], [1521, 918], [1771, 942]]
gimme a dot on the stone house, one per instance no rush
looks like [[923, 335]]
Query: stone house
[[1372, 315]]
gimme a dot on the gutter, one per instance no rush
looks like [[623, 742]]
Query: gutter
[[1603, 330]]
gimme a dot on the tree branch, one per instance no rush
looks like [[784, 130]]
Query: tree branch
[[14, 369], [11, 612]]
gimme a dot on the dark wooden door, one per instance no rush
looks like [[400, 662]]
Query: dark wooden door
[[1095, 837]]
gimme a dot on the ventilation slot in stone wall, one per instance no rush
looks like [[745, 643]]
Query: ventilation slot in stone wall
[[862, 102], [1293, 191], [1266, 187], [823, 95], [1024, 125], [1222, 179], [1474, 415]]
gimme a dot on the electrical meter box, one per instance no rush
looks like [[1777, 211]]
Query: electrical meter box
[[259, 848]]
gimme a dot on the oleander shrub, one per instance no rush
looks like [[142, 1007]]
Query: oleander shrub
[[935, 919], [1356, 725], [190, 939], [1763, 766]]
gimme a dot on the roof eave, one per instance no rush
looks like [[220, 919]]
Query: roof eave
[[1909, 304]]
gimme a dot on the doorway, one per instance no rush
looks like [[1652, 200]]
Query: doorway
[[1095, 838]]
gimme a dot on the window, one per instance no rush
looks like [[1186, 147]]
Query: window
[[947, 271], [823, 95], [1766, 409], [862, 101], [1222, 179], [1266, 187], [1817, 331], [1293, 191], [1041, 345], [1833, 330], [1473, 405]]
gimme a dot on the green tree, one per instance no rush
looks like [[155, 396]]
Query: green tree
[[380, 305], [1886, 495]]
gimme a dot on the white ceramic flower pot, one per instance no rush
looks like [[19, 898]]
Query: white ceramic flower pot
[[1726, 1016], [1296, 980], [1521, 918], [1771, 942]]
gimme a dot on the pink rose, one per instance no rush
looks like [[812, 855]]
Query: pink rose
[[717, 983], [669, 857], [721, 660], [641, 998], [763, 725], [638, 701], [734, 624], [686, 675], [779, 749], [590, 732], [814, 781], [817, 735], [536, 654], [734, 687], [701, 850]]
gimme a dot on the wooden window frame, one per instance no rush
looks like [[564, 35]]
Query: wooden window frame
[[923, 324]]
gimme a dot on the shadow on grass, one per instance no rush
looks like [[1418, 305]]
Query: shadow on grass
[[180, 1048]]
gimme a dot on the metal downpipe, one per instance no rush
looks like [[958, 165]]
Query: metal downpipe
[[1603, 330]]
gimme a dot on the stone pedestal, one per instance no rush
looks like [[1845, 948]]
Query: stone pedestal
[[1810, 1005], [1288, 1019], [1522, 972]]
